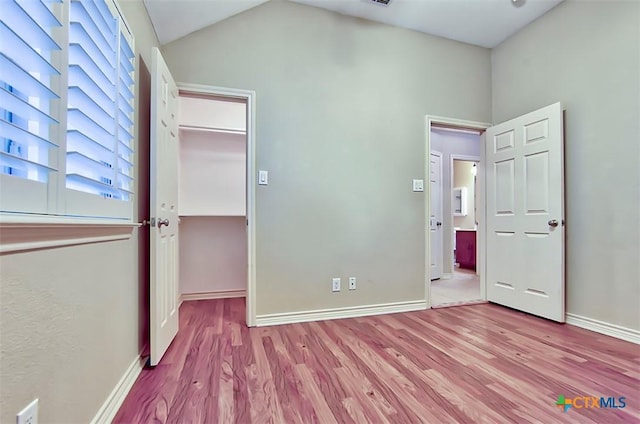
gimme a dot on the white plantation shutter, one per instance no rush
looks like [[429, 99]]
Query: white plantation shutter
[[27, 74], [66, 110], [100, 102]]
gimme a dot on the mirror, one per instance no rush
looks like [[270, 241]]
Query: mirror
[[460, 201]]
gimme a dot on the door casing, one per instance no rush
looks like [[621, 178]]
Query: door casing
[[459, 124]]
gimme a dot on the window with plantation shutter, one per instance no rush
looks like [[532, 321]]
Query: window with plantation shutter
[[66, 110]]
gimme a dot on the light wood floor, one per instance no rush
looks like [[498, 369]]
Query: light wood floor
[[479, 363]]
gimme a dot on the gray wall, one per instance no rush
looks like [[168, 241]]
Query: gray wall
[[69, 317], [451, 143], [587, 55], [340, 127]]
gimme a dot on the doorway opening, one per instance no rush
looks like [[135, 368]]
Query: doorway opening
[[216, 194], [455, 239]]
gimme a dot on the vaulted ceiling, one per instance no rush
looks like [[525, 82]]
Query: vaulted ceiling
[[483, 23]]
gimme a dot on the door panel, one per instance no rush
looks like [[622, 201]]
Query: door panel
[[164, 209], [525, 196]]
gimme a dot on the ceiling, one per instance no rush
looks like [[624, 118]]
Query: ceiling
[[483, 23]]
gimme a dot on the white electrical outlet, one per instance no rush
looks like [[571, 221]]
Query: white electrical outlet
[[352, 283], [29, 415], [335, 284]]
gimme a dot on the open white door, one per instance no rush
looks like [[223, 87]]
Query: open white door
[[164, 208], [435, 214], [525, 213]]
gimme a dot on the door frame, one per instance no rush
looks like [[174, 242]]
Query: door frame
[[478, 196], [454, 123], [250, 97]]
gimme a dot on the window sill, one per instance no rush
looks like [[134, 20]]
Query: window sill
[[19, 233]]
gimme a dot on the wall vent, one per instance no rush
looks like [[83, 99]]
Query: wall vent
[[380, 2]]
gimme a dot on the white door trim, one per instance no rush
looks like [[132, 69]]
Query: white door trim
[[250, 97], [462, 124]]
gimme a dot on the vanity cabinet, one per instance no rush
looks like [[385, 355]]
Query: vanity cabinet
[[466, 248]]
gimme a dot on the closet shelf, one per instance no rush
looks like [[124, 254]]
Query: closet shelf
[[193, 128]]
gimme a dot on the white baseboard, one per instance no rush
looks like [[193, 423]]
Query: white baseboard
[[338, 313], [110, 408], [219, 294], [605, 328]]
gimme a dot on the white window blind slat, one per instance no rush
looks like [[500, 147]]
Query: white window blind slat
[[77, 99], [78, 120], [22, 136], [15, 47], [79, 77], [16, 76], [78, 35], [125, 105], [36, 33], [81, 59], [97, 32], [22, 108], [125, 121], [100, 103], [126, 77], [39, 12], [78, 142]]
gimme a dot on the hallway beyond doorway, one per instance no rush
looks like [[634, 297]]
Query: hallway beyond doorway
[[462, 289]]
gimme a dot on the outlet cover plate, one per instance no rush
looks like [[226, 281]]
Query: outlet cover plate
[[335, 284], [352, 283], [29, 415]]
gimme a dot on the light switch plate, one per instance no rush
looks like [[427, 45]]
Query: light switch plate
[[263, 177], [418, 185]]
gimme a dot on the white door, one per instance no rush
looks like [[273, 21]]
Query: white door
[[164, 208], [435, 214], [525, 213]]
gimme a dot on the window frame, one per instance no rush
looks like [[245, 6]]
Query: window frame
[[68, 216]]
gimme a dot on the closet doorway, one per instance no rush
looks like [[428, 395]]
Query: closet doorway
[[216, 194]]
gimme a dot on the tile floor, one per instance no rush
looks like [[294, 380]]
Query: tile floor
[[464, 287]]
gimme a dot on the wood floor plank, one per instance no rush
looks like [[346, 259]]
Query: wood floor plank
[[471, 364]]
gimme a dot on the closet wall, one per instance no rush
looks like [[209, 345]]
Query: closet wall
[[213, 241]]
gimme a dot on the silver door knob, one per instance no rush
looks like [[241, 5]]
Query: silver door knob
[[553, 223], [162, 222]]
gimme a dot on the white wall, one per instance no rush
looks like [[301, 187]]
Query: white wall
[[340, 128], [70, 318], [451, 143], [587, 55], [212, 173], [213, 254]]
